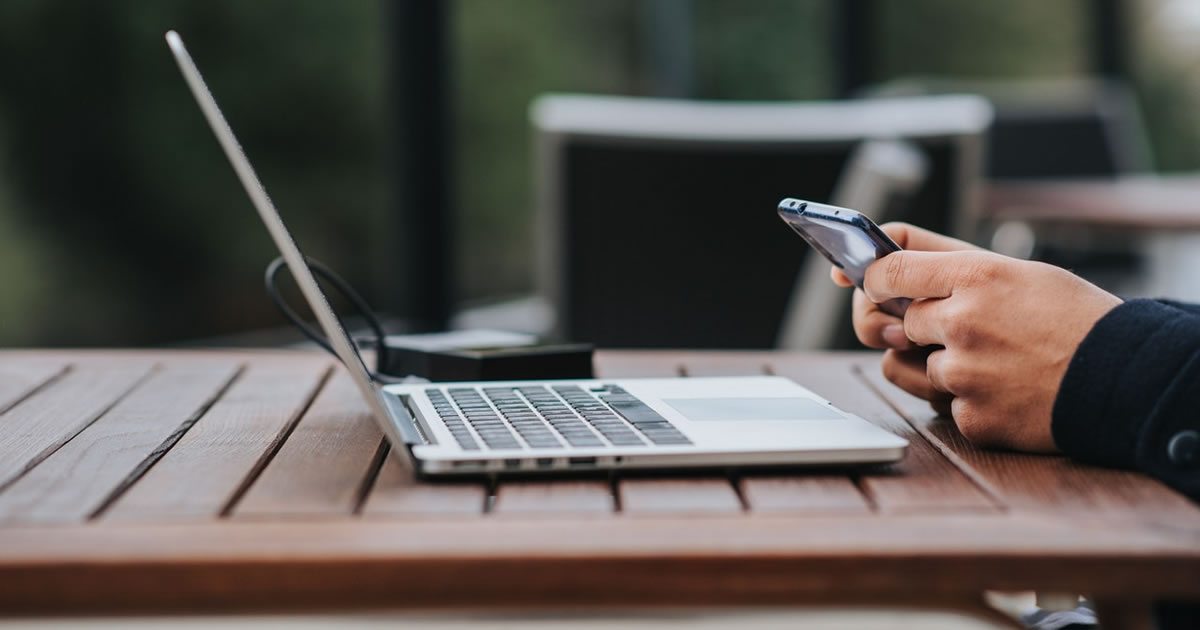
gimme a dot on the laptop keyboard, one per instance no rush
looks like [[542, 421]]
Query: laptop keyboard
[[540, 417]]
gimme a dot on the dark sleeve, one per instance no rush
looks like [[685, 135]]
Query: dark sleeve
[[1131, 394], [1183, 306]]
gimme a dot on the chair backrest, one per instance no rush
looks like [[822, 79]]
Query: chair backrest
[[1050, 128], [657, 217]]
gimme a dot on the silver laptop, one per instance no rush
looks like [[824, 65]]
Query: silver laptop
[[524, 427]]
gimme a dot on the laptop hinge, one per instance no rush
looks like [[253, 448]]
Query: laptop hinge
[[409, 430]]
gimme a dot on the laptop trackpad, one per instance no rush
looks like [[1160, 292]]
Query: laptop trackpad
[[702, 409]]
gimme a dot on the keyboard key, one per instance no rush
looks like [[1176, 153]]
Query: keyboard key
[[584, 441], [633, 410]]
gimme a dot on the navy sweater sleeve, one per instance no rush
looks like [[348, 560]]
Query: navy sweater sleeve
[[1131, 394]]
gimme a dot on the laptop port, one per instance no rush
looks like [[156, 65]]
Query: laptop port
[[582, 461], [512, 464], [545, 462], [471, 464]]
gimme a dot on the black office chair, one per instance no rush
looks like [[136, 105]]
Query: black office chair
[[657, 217]]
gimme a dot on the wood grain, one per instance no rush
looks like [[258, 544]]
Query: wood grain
[[322, 468], [1045, 482], [678, 496], [553, 498], [76, 480], [1132, 202], [466, 563], [637, 364], [209, 465], [397, 492], [50, 417], [803, 493], [691, 543], [20, 378], [924, 481]]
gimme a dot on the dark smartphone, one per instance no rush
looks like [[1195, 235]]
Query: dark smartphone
[[848, 239]]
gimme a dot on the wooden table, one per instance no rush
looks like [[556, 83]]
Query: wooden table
[[167, 481], [1140, 202]]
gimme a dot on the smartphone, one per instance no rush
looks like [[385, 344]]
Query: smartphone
[[848, 239]]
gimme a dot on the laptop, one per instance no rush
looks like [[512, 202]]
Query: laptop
[[559, 426]]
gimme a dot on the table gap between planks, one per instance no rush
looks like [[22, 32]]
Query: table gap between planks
[[169, 481]]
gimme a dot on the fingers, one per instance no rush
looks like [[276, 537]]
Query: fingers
[[875, 328], [909, 236], [916, 275], [935, 371], [925, 322], [839, 278], [947, 372], [906, 370]]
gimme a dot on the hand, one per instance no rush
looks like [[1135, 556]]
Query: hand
[[904, 363], [1008, 328]]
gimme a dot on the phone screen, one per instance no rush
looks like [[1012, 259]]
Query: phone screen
[[848, 239]]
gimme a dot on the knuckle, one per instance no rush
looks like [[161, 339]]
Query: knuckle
[[968, 423], [955, 378], [983, 269], [958, 324], [950, 374], [895, 269], [974, 426]]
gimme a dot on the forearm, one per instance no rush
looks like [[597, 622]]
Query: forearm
[[1131, 396]]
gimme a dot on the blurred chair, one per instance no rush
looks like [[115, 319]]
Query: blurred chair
[[1050, 134], [657, 217], [1050, 128]]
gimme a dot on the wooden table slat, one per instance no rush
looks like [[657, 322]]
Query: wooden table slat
[[547, 498], [468, 563], [812, 493], [75, 480], [637, 364], [678, 495], [212, 462], [41, 424], [1044, 482], [397, 493], [937, 534], [323, 466], [19, 379]]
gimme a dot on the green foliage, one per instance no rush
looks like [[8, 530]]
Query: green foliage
[[121, 223], [153, 239], [983, 39]]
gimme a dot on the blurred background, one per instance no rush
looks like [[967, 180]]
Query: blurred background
[[395, 137]]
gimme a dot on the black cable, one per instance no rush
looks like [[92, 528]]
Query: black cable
[[324, 272]]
